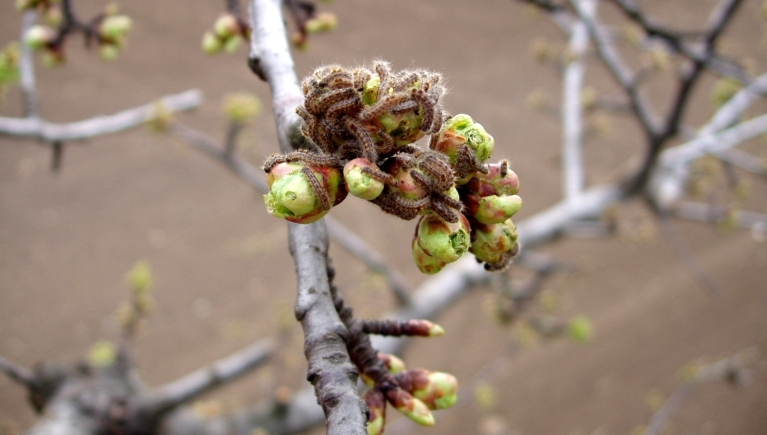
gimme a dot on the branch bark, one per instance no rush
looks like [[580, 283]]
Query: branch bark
[[51, 132], [331, 372]]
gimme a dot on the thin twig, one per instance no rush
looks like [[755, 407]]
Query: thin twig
[[27, 69], [19, 374], [51, 132], [707, 213], [688, 259], [192, 385], [731, 369]]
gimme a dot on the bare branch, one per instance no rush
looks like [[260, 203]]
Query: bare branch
[[708, 213], [27, 69], [330, 370], [19, 374], [572, 110], [730, 369], [622, 73], [221, 372], [745, 161], [51, 132]]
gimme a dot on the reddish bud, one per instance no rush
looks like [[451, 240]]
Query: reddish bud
[[495, 244], [292, 195], [360, 183], [437, 390], [444, 241], [413, 408]]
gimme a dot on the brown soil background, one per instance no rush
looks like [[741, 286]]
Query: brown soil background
[[223, 274]]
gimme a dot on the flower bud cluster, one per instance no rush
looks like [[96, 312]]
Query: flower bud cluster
[[413, 392], [364, 122], [109, 30], [303, 193], [23, 5], [227, 34]]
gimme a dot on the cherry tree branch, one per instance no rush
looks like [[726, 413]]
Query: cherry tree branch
[[572, 109], [19, 374], [330, 371], [100, 125], [192, 385], [27, 70]]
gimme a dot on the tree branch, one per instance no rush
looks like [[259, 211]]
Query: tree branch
[[330, 371], [27, 69], [183, 390], [50, 132], [19, 374], [572, 111]]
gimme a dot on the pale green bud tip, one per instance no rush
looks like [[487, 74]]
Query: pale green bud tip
[[139, 278], [109, 52], [393, 363], [436, 331], [211, 44], [580, 329], [232, 44], [38, 37], [359, 183], [291, 196], [376, 426], [117, 26], [417, 411], [226, 26], [323, 22], [240, 107], [102, 354]]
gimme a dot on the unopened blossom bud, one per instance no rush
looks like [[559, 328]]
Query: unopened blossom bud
[[392, 363], [322, 22], [292, 196], [226, 26], [437, 390], [376, 403], [425, 262], [499, 180], [413, 408], [109, 52], [406, 186], [461, 130], [495, 244], [442, 240], [211, 44], [492, 209], [38, 37], [360, 183], [114, 28], [241, 107], [232, 44]]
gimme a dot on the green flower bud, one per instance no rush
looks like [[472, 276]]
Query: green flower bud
[[232, 44], [437, 390], [579, 329], [462, 130], [492, 209], [443, 241], [241, 107], [425, 262], [404, 127], [323, 22], [114, 28], [211, 44], [495, 244], [499, 180], [226, 26], [291, 194], [359, 183], [376, 403], [370, 93], [109, 52], [413, 408], [38, 37], [392, 363]]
